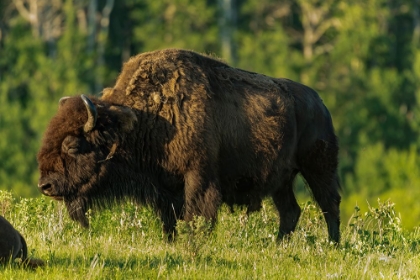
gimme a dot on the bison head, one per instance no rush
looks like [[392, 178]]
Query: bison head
[[77, 149]]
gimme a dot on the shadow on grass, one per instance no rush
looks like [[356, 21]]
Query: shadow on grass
[[133, 262]]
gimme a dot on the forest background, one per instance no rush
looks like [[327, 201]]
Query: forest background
[[362, 56]]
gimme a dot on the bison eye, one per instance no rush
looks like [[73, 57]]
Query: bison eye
[[72, 145]]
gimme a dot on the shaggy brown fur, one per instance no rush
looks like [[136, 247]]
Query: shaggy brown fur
[[184, 133], [13, 245]]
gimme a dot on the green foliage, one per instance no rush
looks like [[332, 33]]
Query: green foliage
[[388, 174], [194, 234], [378, 230], [176, 24], [264, 45]]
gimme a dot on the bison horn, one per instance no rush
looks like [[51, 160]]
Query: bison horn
[[92, 113]]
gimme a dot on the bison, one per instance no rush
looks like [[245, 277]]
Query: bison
[[184, 132], [13, 245]]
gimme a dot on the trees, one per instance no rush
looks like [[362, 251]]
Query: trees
[[35, 70], [361, 56]]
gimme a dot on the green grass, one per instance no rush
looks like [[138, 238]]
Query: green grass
[[126, 242]]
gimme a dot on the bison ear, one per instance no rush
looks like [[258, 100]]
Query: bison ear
[[126, 117], [63, 100]]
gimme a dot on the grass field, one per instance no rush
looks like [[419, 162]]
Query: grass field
[[126, 242]]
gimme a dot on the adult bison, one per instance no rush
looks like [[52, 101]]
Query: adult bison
[[184, 132]]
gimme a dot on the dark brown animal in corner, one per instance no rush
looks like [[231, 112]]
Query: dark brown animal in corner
[[184, 132], [13, 245]]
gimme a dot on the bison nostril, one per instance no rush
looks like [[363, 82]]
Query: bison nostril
[[45, 188]]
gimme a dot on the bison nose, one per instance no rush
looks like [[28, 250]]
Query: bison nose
[[45, 188]]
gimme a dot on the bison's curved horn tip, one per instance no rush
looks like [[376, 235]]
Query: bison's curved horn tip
[[92, 113]]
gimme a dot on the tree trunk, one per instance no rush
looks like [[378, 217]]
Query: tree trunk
[[227, 25], [93, 6], [103, 34]]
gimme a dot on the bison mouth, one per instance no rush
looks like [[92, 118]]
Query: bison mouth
[[54, 196], [76, 205]]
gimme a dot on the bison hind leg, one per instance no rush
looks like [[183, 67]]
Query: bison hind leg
[[328, 200], [319, 168]]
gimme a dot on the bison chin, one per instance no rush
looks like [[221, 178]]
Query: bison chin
[[77, 208]]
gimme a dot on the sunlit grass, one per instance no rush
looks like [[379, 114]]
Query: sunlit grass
[[126, 242]]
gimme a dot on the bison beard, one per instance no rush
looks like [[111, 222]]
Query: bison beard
[[184, 132]]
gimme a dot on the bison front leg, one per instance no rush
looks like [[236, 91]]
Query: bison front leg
[[202, 195], [169, 215]]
